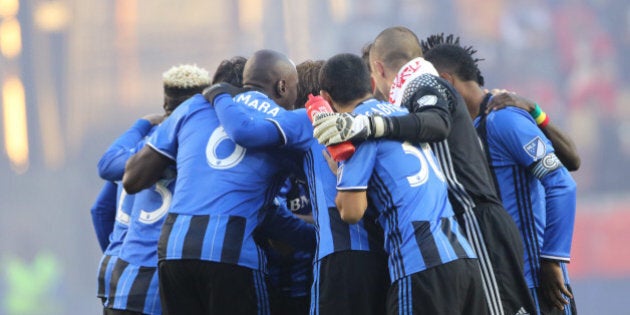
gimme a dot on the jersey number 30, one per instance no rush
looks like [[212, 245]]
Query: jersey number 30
[[425, 156]]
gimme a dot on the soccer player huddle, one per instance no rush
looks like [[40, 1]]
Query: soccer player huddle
[[455, 200]]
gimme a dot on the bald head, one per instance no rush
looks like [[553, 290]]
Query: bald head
[[392, 48], [275, 74], [395, 46]]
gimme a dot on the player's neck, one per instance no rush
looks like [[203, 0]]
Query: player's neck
[[473, 97], [350, 106]]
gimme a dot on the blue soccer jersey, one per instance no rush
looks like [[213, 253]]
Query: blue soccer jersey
[[103, 213], [407, 188], [536, 189], [296, 134], [134, 285], [111, 166], [147, 216], [294, 192], [335, 235], [291, 273], [116, 238], [220, 186]]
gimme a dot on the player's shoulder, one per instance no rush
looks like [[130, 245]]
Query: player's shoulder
[[259, 102], [194, 103], [373, 106], [428, 89], [510, 117]]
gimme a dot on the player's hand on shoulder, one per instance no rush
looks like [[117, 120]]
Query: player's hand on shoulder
[[154, 119], [506, 98], [334, 128], [211, 92], [325, 128]]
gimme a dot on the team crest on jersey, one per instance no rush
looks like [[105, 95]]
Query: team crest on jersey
[[427, 100], [535, 148]]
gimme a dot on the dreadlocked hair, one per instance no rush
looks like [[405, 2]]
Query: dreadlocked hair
[[446, 54]]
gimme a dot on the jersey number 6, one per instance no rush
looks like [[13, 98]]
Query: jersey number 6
[[230, 160]]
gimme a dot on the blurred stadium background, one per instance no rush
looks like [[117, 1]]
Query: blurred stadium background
[[75, 74]]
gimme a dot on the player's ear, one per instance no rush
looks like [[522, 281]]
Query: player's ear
[[379, 68], [326, 96], [281, 88], [448, 77]]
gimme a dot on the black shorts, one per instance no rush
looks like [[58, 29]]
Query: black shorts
[[451, 289], [205, 287], [498, 245], [350, 282], [286, 305]]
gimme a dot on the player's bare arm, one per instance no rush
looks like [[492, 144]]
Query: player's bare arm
[[351, 205], [144, 169]]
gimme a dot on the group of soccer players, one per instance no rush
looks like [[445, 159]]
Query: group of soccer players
[[455, 200]]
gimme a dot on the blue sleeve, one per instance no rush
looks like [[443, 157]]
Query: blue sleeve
[[280, 224], [517, 133], [530, 148], [355, 172], [296, 128], [111, 166], [104, 213], [242, 127], [164, 139], [560, 190]]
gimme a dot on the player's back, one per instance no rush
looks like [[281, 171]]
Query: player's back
[[215, 175], [147, 217], [408, 189], [334, 235], [220, 186]]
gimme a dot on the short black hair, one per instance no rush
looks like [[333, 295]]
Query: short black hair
[[230, 71], [308, 80], [345, 77], [446, 54]]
